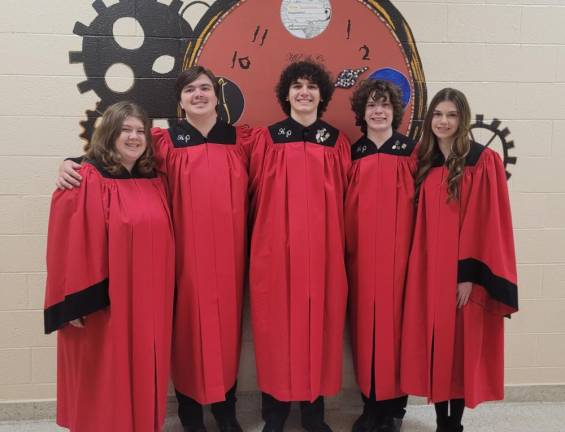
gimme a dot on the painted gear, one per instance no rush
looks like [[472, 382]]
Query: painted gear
[[165, 33], [498, 139]]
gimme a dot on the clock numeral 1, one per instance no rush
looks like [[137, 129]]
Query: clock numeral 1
[[242, 62], [348, 29], [365, 50]]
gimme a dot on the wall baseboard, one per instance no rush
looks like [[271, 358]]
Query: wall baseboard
[[251, 400]]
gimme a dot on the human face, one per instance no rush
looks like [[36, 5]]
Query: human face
[[131, 143], [445, 121], [379, 115], [198, 98], [304, 97]]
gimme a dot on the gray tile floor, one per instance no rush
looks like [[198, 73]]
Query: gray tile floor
[[496, 417]]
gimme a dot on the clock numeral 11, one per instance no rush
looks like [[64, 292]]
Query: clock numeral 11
[[256, 33]]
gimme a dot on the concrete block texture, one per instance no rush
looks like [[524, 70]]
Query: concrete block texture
[[508, 56]]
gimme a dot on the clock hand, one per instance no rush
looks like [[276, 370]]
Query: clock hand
[[348, 77], [223, 83]]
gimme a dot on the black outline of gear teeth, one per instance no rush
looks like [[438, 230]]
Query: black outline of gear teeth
[[88, 124], [166, 32], [501, 134]]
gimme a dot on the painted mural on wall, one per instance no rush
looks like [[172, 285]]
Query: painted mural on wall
[[247, 43]]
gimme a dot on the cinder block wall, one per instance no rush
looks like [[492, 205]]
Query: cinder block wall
[[507, 55]]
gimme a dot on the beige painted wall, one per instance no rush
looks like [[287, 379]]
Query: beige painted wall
[[507, 55]]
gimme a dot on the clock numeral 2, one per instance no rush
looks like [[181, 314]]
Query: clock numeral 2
[[243, 62], [365, 50]]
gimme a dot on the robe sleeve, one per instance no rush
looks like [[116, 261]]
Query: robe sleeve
[[486, 244], [245, 137], [344, 149], [161, 145], [77, 253], [257, 145]]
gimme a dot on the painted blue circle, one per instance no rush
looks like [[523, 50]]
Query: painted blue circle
[[392, 75]]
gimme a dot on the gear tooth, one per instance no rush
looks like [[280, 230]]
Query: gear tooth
[[99, 6], [176, 5], [75, 57], [80, 29], [510, 144], [480, 118], [495, 123], [84, 86], [511, 160], [508, 175], [504, 132]]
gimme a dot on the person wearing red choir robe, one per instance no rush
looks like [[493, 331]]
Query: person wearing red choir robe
[[110, 283], [298, 285], [462, 270], [205, 163], [379, 216]]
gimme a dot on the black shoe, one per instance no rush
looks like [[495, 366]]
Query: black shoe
[[367, 422], [319, 427], [200, 428], [273, 426], [230, 425], [390, 424]]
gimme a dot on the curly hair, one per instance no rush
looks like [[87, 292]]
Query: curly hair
[[313, 72], [102, 147], [459, 150], [376, 90]]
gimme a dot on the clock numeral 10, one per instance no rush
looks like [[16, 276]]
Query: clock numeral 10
[[242, 62]]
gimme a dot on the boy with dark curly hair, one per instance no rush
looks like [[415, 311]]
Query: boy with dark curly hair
[[379, 213], [298, 285]]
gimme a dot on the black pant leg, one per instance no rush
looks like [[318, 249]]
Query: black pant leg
[[189, 411], [456, 408], [312, 413], [392, 407], [273, 410], [225, 410]]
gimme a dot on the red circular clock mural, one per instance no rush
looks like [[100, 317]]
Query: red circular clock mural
[[248, 43]]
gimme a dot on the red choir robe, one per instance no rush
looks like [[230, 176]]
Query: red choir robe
[[207, 179], [379, 217], [110, 257], [298, 284], [447, 352]]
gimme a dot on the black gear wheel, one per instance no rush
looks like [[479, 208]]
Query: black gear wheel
[[165, 33], [88, 124], [498, 139]]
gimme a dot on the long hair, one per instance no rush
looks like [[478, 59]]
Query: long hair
[[429, 146], [102, 146]]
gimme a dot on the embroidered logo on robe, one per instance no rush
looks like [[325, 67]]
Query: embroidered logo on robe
[[285, 132], [322, 135], [184, 138]]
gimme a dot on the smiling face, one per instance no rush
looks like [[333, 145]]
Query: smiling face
[[198, 98], [131, 142], [445, 121], [304, 97], [379, 114]]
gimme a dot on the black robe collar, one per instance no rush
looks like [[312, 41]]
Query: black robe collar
[[124, 174], [397, 145], [184, 134], [471, 160], [289, 130]]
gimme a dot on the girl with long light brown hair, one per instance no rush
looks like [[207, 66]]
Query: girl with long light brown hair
[[462, 270]]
